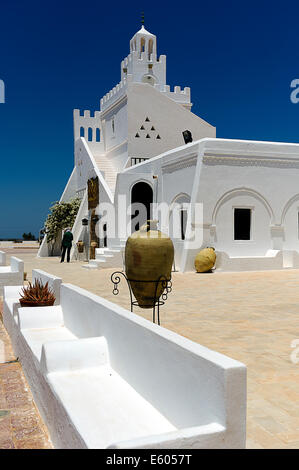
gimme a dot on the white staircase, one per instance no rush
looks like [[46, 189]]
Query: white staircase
[[112, 257], [109, 173]]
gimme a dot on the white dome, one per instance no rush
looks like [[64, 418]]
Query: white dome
[[143, 32]]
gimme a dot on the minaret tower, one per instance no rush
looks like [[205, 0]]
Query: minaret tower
[[142, 62], [143, 66]]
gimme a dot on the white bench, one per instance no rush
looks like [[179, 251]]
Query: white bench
[[12, 275], [2, 258], [105, 377]]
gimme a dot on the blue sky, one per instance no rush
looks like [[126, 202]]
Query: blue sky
[[239, 59]]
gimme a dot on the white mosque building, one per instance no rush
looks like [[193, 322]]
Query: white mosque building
[[243, 196]]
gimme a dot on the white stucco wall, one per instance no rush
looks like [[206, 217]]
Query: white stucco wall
[[227, 174], [118, 156], [260, 175], [169, 119], [119, 115], [87, 168], [70, 190]]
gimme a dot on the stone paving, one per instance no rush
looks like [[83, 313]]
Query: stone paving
[[21, 426], [249, 316]]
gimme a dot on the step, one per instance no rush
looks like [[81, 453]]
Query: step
[[104, 249], [103, 256], [93, 264], [106, 252], [106, 258], [96, 262]]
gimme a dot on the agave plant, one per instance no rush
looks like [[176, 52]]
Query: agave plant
[[37, 293]]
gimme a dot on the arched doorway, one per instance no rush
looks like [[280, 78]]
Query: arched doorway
[[142, 193]]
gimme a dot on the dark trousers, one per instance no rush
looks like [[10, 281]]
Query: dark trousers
[[64, 249]]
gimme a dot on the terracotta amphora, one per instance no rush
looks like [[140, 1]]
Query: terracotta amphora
[[149, 256]]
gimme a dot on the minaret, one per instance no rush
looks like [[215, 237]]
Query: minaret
[[144, 66], [142, 62]]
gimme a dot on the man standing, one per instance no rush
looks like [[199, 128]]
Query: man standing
[[66, 245]]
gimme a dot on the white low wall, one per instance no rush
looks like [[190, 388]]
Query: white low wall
[[12, 275], [273, 259], [104, 377], [2, 258], [54, 282], [22, 244]]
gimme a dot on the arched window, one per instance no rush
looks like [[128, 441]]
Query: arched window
[[150, 48], [82, 132], [98, 135], [178, 217], [142, 46], [90, 134], [183, 217]]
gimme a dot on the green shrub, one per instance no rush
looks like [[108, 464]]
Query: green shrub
[[63, 215]]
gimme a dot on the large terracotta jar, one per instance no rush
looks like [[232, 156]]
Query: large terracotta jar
[[149, 254], [205, 260]]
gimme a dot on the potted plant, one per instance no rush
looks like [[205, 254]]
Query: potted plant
[[37, 295]]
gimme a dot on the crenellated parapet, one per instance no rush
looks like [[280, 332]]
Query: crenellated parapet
[[142, 57], [87, 125], [179, 95], [116, 92]]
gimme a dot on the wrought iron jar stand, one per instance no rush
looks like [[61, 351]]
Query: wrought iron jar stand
[[166, 284]]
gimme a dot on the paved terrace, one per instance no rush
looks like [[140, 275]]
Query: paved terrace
[[250, 316]]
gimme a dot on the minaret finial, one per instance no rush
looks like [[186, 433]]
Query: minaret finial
[[142, 18]]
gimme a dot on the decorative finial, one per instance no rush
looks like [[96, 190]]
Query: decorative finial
[[142, 18]]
